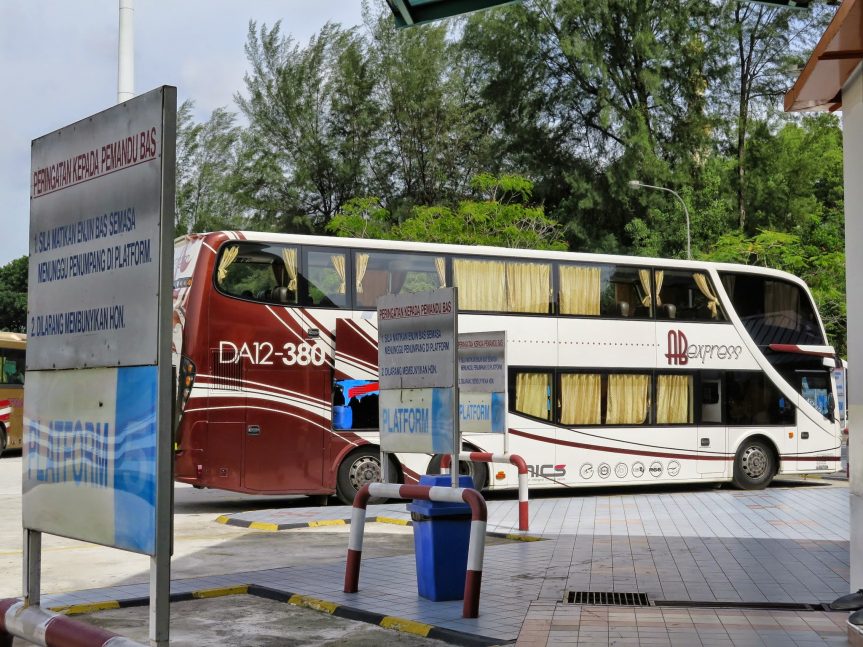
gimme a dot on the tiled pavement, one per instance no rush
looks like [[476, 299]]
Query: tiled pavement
[[785, 544]]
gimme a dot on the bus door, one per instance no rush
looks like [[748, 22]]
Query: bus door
[[287, 406], [226, 414], [711, 433], [816, 388]]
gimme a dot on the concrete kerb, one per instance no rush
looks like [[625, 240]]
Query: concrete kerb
[[276, 527], [393, 623]]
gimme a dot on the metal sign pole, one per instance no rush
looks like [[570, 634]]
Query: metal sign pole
[[456, 422], [32, 567], [160, 563]]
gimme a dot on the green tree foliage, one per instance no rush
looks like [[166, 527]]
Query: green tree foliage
[[312, 120], [500, 215], [13, 295], [206, 163]]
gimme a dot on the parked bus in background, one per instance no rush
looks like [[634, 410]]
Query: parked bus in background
[[12, 354], [621, 370]]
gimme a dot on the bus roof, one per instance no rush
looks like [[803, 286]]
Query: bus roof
[[482, 250], [13, 340]]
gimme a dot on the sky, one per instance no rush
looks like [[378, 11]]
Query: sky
[[58, 64]]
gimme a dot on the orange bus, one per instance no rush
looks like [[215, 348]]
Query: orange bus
[[12, 350]]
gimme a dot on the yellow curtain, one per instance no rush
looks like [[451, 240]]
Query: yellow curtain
[[338, 262], [644, 277], [532, 394], [627, 399], [228, 257], [528, 287], [481, 284], [289, 256], [580, 289], [581, 399], [440, 266], [658, 275], [362, 264], [673, 402], [703, 286]]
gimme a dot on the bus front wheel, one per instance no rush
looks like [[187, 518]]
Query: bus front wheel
[[356, 470], [754, 466]]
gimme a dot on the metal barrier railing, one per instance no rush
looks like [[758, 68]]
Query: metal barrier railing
[[476, 545], [48, 629], [488, 457]]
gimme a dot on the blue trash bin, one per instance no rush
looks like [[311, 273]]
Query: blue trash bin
[[441, 538]]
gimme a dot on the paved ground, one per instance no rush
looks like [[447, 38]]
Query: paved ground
[[696, 547]]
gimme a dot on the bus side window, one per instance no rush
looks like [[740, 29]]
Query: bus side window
[[533, 394], [325, 272]]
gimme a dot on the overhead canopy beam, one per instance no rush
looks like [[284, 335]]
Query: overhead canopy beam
[[414, 12]]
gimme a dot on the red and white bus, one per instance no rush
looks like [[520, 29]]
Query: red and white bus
[[622, 370]]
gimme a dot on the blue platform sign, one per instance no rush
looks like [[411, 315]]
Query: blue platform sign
[[89, 461]]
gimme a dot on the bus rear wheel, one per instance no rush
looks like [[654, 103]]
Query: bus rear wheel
[[4, 440], [754, 466], [478, 472], [356, 470]]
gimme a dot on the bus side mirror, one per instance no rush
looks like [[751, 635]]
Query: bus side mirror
[[831, 407]]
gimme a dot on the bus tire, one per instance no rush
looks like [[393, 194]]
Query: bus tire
[[477, 471], [754, 465], [358, 468], [4, 440]]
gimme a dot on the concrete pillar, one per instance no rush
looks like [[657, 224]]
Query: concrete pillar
[[852, 128]]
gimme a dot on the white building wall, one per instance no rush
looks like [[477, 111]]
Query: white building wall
[[852, 127]]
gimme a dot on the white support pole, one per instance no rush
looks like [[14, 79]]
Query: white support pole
[[126, 53]]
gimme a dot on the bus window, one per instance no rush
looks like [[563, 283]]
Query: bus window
[[773, 311], [580, 399], [628, 397], [603, 290], [815, 388], [686, 296], [11, 366], [325, 275], [377, 274], [753, 400], [498, 286], [674, 399], [355, 404], [258, 272], [533, 394], [604, 398]]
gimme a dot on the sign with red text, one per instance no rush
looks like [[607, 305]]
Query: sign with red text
[[95, 208]]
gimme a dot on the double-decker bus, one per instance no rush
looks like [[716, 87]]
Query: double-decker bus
[[12, 356], [621, 370]]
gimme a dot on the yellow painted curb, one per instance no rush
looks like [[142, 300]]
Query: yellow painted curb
[[392, 520], [327, 522], [260, 525], [223, 519], [406, 626], [219, 592], [77, 609], [313, 603]]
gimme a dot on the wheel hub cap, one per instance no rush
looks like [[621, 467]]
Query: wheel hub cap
[[754, 462]]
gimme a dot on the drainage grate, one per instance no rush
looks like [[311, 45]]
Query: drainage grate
[[608, 599]]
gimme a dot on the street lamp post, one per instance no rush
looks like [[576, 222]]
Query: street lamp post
[[635, 184]]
